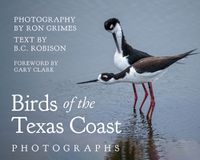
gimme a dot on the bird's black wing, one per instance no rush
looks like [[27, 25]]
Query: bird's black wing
[[133, 54], [153, 64]]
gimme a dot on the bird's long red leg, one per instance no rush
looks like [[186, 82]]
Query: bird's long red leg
[[152, 104], [136, 96], [145, 96]]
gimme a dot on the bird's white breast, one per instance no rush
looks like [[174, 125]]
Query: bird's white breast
[[120, 62]]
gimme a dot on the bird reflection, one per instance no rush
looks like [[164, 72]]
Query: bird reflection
[[137, 142]]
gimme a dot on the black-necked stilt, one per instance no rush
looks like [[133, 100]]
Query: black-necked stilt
[[125, 55], [143, 71]]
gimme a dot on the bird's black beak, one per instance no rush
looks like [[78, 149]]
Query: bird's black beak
[[115, 39], [91, 81]]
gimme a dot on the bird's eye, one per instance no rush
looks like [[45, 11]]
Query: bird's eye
[[111, 26]]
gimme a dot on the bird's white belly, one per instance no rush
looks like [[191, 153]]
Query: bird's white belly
[[138, 78], [120, 62]]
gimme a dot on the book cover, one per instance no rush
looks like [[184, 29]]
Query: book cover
[[49, 49]]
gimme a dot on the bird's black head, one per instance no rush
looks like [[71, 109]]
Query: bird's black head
[[110, 24], [106, 77]]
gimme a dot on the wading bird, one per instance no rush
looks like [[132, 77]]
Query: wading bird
[[125, 54], [143, 71]]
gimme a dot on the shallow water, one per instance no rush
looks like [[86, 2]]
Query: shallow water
[[157, 27]]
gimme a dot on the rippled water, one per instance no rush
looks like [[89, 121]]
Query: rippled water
[[157, 27]]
